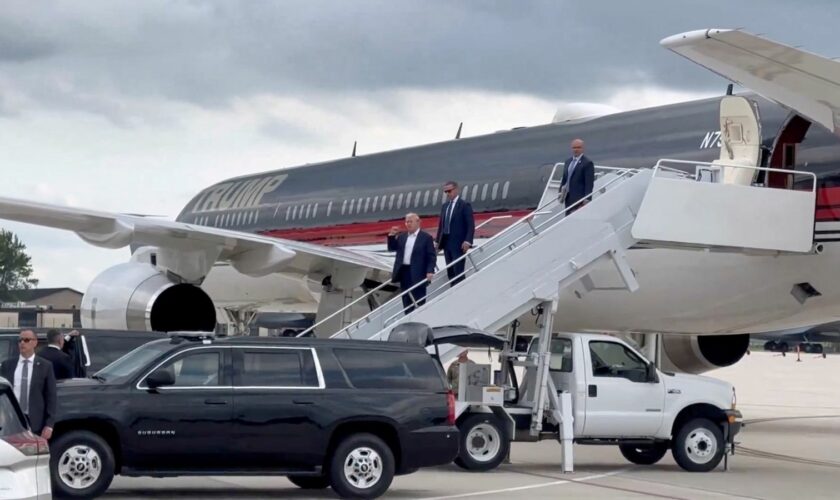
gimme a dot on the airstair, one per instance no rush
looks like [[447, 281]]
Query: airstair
[[532, 260]]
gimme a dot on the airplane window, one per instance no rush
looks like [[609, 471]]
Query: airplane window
[[315, 211], [359, 205], [391, 202], [495, 191], [256, 217], [329, 208], [417, 199], [505, 190], [294, 212], [367, 204], [375, 202], [399, 201], [343, 207], [408, 200], [465, 192], [217, 221], [484, 192], [352, 203], [426, 198], [474, 192], [382, 203]]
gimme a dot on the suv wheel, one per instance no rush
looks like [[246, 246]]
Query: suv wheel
[[362, 466], [310, 482], [81, 465], [699, 445], [484, 442], [645, 454]]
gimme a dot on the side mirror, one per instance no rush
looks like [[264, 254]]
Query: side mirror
[[159, 378], [652, 376]]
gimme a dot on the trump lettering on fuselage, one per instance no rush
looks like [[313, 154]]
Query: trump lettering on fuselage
[[237, 194]]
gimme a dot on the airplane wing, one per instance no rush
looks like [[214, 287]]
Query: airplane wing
[[804, 82], [190, 250]]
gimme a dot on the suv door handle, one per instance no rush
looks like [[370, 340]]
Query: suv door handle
[[215, 401], [593, 391], [302, 402]]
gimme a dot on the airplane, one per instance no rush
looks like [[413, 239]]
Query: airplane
[[308, 238]]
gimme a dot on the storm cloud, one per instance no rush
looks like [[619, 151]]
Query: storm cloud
[[90, 55]]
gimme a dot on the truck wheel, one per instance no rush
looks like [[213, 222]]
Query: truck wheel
[[310, 482], [362, 466], [644, 454], [484, 442], [81, 465], [699, 445]]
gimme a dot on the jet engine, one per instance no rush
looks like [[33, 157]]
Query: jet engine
[[701, 353], [136, 296]]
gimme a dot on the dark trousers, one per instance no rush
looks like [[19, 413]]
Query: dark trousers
[[418, 293], [452, 252]]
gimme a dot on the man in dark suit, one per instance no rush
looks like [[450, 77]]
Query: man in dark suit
[[34, 384], [578, 177], [455, 231], [54, 353], [414, 262]]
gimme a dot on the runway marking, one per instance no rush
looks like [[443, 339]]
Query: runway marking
[[531, 486]]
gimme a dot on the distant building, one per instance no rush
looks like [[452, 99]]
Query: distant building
[[43, 308]]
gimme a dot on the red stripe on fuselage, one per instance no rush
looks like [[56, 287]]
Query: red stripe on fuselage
[[372, 233], [828, 204]]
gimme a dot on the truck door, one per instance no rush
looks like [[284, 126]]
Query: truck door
[[620, 402]]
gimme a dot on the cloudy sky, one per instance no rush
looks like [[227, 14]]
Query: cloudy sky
[[135, 106]]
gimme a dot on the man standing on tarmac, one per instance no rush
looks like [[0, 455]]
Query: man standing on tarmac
[[53, 352], [455, 231]]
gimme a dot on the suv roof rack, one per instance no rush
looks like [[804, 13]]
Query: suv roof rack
[[178, 337]]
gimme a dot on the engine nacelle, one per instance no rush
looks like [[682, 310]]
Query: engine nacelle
[[136, 296], [701, 353]]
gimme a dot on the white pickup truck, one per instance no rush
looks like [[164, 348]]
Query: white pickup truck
[[617, 397]]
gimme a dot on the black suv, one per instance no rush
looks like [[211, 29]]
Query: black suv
[[340, 413]]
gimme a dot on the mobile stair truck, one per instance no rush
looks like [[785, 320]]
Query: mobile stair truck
[[594, 389]]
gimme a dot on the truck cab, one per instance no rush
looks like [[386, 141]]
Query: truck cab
[[616, 397]]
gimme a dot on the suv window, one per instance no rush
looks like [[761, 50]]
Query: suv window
[[368, 369], [10, 422], [610, 359], [5, 349], [278, 368], [134, 361], [196, 369], [104, 349]]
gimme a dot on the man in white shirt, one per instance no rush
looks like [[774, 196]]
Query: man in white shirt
[[414, 263], [34, 384]]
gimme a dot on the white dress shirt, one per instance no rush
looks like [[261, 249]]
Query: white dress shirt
[[409, 247], [19, 374]]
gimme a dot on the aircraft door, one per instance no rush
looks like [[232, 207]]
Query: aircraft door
[[740, 139]]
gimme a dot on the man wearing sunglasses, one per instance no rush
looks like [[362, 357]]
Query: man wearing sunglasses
[[455, 231], [34, 384]]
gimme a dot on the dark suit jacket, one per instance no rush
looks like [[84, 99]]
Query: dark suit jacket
[[423, 257], [462, 225], [582, 181], [42, 393], [61, 363]]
